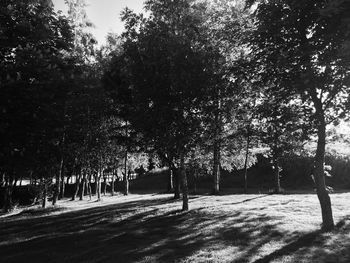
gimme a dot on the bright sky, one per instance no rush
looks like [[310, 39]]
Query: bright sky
[[105, 14]]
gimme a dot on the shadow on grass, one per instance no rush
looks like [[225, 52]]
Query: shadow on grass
[[303, 241], [142, 231]]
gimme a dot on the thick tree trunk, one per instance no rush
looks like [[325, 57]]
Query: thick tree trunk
[[170, 181], [323, 196], [184, 183], [177, 183], [216, 168], [246, 162]]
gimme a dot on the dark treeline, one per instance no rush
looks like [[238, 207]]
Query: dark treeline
[[199, 87]]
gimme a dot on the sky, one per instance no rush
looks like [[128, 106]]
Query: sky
[[105, 15]]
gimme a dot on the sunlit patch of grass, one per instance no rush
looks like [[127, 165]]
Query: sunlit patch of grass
[[38, 211]]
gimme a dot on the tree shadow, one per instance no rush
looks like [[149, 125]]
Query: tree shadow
[[146, 231]]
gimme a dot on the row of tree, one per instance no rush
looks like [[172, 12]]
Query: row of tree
[[201, 85], [56, 119], [192, 78]]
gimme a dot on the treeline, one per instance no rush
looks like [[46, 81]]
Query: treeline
[[199, 86]]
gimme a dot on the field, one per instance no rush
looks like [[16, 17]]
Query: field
[[152, 228]]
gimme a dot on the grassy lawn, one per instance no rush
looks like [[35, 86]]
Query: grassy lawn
[[151, 228]]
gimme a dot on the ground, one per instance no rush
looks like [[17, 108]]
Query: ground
[[152, 228]]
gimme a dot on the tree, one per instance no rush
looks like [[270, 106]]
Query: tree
[[284, 128], [163, 78], [34, 68], [300, 44]]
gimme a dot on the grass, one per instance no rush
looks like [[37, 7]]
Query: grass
[[151, 228]]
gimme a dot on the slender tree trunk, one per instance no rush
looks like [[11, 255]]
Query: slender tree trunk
[[98, 187], [3, 181], [216, 168], [63, 188], [83, 181], [125, 175], [56, 194], [170, 181], [246, 162], [217, 143], [277, 176], [184, 183], [8, 205], [112, 184], [322, 194], [95, 177], [177, 183], [195, 181], [31, 178], [77, 184], [89, 187], [60, 183], [15, 182], [98, 182], [86, 187], [104, 185], [44, 194]]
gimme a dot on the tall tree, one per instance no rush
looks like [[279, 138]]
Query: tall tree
[[301, 43], [34, 69], [163, 77]]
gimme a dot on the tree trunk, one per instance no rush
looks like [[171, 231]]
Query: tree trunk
[[83, 181], [170, 181], [89, 187], [77, 184], [3, 181], [98, 184], [125, 175], [195, 181], [8, 205], [44, 195], [15, 182], [246, 162], [277, 176], [31, 178], [216, 168], [177, 183], [56, 194], [322, 194], [95, 177], [105, 185], [112, 184], [184, 183]]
